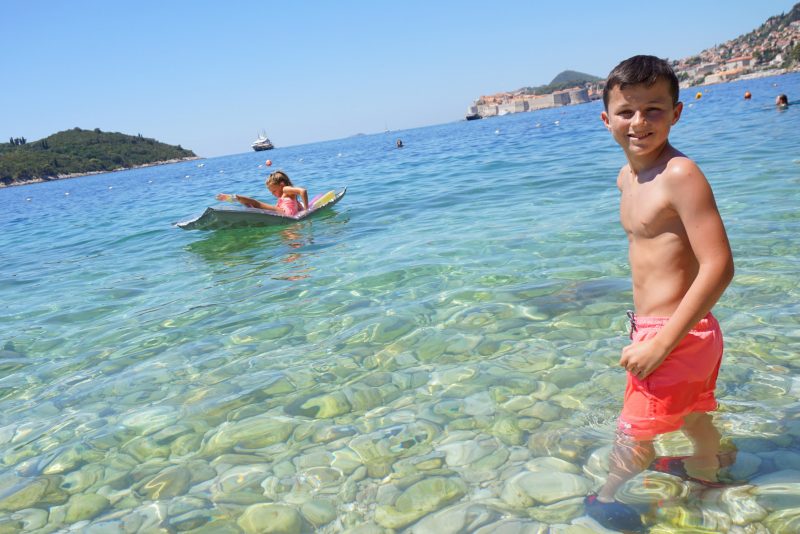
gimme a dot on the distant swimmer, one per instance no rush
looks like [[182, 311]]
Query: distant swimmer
[[399, 143], [782, 101]]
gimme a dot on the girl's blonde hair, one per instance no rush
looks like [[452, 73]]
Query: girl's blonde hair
[[278, 177]]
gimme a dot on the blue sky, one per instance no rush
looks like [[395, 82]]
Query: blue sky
[[210, 75]]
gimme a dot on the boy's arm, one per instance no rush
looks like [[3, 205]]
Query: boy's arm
[[690, 195]]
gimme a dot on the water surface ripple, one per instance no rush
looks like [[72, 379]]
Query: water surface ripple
[[427, 357]]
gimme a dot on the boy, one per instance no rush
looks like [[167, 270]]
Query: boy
[[681, 263]]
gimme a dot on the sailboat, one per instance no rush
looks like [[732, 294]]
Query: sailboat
[[262, 143]]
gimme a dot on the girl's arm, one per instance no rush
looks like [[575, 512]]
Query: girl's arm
[[301, 191], [253, 203]]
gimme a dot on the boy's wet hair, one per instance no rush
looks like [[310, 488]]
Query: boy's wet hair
[[278, 177], [645, 70]]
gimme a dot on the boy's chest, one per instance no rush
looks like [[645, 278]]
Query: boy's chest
[[644, 211]]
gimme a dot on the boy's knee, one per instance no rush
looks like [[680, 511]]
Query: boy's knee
[[632, 453], [698, 420]]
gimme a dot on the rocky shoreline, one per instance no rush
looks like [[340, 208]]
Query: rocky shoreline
[[79, 174]]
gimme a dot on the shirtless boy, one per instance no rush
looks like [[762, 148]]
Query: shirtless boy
[[681, 263]]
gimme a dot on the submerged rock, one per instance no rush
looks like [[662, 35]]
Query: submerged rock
[[455, 519], [418, 500], [24, 495], [514, 526], [545, 487], [251, 433], [270, 519], [170, 482], [318, 512], [85, 506], [320, 407]]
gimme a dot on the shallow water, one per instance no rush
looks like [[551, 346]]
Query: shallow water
[[417, 358]]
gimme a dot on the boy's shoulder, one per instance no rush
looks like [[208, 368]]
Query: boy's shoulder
[[679, 170]]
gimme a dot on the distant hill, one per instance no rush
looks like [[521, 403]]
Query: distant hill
[[574, 77], [80, 151], [763, 34], [564, 80], [775, 44]]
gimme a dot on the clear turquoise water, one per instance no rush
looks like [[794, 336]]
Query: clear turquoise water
[[469, 289]]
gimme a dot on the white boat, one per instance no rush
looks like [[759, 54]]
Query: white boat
[[262, 143]]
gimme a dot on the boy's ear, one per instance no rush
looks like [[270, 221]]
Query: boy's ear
[[604, 117], [678, 110]]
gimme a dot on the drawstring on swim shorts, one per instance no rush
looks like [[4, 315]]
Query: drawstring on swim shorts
[[632, 326]]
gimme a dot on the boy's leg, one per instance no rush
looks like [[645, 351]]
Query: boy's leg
[[628, 458], [709, 455], [704, 463]]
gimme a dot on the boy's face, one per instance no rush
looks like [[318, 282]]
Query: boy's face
[[640, 117]]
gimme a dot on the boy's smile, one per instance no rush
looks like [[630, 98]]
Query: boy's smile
[[640, 117]]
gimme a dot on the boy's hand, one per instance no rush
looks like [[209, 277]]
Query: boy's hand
[[641, 359]]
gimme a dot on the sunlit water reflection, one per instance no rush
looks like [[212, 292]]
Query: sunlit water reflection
[[436, 354]]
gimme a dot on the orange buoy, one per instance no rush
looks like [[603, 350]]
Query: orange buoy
[[698, 95], [747, 95]]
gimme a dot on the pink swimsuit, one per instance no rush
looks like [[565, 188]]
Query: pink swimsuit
[[288, 205]]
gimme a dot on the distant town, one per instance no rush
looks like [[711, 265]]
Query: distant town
[[771, 49]]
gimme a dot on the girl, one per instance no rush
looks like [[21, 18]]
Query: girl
[[281, 187]]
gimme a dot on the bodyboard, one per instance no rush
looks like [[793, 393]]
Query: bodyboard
[[216, 218]]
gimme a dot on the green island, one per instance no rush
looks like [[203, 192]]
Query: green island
[[77, 152], [564, 80]]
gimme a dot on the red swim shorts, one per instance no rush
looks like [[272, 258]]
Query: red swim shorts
[[682, 384]]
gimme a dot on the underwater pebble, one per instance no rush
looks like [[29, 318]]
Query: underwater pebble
[[318, 512], [270, 518], [742, 505], [85, 506], [170, 482], [418, 500], [455, 519], [514, 526], [30, 518], [24, 494], [527, 488], [250, 433], [548, 463]]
